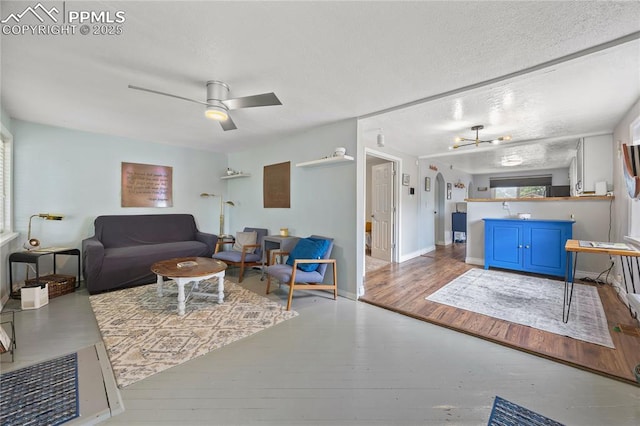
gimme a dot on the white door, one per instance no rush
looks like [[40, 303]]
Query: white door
[[382, 211]]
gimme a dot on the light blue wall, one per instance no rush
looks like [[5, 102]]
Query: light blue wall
[[323, 199], [77, 174]]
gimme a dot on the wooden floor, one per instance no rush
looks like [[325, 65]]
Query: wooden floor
[[340, 362], [403, 287]]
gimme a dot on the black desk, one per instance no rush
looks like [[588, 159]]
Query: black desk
[[34, 256]]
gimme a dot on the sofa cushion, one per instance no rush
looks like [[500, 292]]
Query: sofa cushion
[[157, 252], [128, 266], [137, 230]]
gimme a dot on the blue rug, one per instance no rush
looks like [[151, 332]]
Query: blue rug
[[41, 394], [505, 413]]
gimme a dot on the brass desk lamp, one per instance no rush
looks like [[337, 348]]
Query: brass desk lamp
[[34, 243]]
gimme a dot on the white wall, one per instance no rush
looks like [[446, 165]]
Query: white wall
[[77, 174], [558, 177], [591, 216], [624, 205], [322, 198], [428, 202], [624, 209]]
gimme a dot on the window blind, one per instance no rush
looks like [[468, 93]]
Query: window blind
[[519, 181]]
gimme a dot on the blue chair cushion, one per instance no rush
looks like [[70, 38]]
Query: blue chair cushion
[[308, 248], [236, 256], [283, 274]]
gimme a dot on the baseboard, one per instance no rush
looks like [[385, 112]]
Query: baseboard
[[429, 249], [474, 261], [4, 301], [410, 256], [594, 275], [347, 294]]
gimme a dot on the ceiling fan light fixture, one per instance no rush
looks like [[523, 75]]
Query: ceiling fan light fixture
[[216, 113]]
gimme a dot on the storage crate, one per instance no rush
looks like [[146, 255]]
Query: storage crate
[[58, 284], [34, 296]]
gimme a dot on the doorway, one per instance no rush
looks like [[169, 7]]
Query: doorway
[[381, 212]]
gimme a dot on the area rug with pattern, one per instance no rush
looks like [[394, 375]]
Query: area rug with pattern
[[505, 413], [143, 333], [531, 301], [41, 394]]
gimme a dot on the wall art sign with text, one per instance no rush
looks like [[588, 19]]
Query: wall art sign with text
[[146, 185]]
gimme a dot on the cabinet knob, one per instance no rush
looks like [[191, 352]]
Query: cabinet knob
[[520, 246], [526, 247]]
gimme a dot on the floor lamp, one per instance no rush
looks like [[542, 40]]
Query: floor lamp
[[222, 203]]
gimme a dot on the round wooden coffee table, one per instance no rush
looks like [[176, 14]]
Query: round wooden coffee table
[[184, 270]]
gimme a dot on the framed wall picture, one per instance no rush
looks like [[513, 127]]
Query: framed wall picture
[[405, 179], [427, 184], [449, 191], [277, 185]]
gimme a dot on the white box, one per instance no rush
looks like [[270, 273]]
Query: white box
[[34, 297], [601, 188]]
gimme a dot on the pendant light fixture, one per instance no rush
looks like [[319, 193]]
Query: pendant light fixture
[[477, 140]]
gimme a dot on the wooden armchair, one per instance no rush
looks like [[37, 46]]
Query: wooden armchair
[[293, 272], [250, 255]]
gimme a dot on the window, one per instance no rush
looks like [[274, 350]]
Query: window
[[519, 186], [5, 180]]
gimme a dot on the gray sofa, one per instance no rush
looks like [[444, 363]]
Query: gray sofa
[[121, 252]]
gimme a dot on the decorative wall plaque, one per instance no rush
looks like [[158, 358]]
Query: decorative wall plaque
[[277, 185], [146, 185]]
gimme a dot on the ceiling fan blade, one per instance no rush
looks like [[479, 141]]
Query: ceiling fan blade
[[265, 99], [228, 124], [167, 94]]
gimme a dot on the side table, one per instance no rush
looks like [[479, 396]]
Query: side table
[[33, 257]]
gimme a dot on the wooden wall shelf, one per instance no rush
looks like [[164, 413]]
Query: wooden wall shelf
[[326, 161], [239, 175]]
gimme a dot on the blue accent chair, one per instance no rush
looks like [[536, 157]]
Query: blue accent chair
[[298, 279], [243, 259]]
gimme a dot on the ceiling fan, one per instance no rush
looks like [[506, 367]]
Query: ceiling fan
[[218, 106]]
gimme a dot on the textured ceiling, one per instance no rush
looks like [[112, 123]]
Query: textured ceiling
[[544, 112], [326, 61]]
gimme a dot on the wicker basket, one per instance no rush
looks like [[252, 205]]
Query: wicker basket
[[58, 284]]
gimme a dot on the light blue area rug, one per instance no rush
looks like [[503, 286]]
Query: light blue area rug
[[531, 301]]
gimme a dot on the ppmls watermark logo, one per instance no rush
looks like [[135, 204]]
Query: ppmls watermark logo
[[39, 20]]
